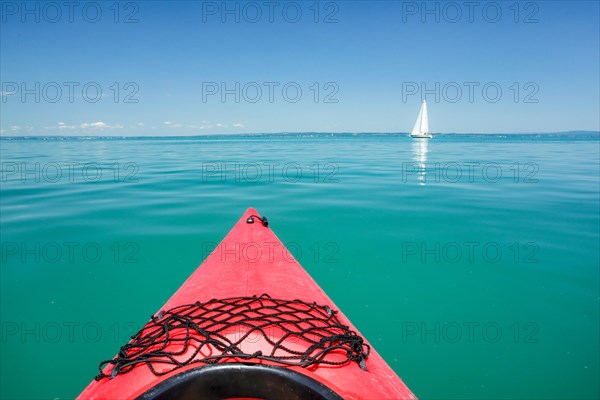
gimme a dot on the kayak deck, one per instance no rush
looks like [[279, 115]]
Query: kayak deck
[[250, 266]]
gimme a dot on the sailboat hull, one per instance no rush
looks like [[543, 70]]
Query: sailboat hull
[[421, 136]]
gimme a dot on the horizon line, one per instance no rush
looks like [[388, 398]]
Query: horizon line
[[299, 133]]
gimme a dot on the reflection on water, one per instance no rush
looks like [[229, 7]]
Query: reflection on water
[[419, 149]]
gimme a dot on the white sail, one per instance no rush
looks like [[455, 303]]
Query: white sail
[[421, 128], [424, 119], [417, 128]]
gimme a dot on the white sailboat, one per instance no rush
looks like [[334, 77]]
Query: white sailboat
[[421, 128]]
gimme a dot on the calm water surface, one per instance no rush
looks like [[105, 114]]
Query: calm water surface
[[470, 262]]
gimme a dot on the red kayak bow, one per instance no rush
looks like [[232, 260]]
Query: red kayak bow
[[248, 323]]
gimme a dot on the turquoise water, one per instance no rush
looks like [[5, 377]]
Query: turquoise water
[[469, 262]]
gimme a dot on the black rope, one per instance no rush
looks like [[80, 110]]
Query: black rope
[[202, 333], [262, 219]]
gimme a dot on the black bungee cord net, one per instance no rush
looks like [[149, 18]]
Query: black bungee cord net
[[200, 333]]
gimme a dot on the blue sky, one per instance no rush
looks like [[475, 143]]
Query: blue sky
[[190, 68]]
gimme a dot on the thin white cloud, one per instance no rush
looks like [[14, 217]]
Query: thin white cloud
[[170, 124], [62, 125], [85, 126], [90, 128], [202, 126], [99, 126], [17, 129]]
